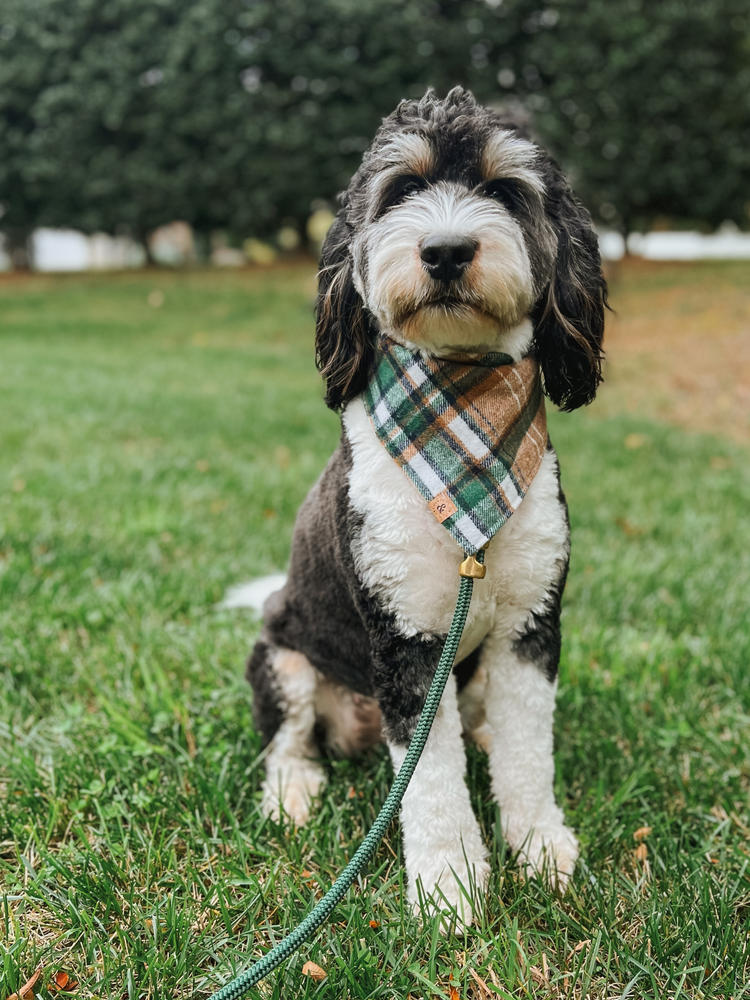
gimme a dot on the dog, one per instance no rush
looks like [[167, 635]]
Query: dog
[[456, 234]]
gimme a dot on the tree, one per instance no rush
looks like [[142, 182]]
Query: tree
[[649, 104], [241, 114]]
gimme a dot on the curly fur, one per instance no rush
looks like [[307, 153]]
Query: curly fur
[[350, 641]]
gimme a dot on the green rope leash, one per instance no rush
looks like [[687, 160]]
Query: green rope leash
[[470, 569]]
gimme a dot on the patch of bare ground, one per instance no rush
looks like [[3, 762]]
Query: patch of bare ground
[[678, 346]]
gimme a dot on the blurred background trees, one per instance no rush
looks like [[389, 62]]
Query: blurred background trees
[[243, 115]]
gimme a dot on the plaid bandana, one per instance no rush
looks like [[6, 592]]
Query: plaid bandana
[[469, 432]]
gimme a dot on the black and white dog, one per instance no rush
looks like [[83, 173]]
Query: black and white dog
[[456, 233]]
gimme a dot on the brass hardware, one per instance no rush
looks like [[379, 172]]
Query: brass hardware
[[472, 568]]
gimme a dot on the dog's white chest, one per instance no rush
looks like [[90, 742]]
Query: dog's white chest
[[405, 557]]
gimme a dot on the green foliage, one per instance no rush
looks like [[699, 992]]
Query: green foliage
[[239, 115], [155, 451], [649, 104]]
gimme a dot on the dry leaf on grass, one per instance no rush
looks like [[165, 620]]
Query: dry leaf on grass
[[538, 976], [454, 994], [27, 990], [314, 971], [628, 528], [633, 441], [641, 833], [62, 983], [484, 988], [641, 852], [579, 947]]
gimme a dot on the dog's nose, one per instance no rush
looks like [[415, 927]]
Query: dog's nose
[[445, 258]]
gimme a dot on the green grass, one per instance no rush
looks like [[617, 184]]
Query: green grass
[[155, 454]]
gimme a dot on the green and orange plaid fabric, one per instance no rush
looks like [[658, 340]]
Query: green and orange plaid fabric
[[470, 433]]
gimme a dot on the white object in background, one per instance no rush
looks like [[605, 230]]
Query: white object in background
[[59, 250], [114, 252], [253, 594], [611, 244], [727, 243]]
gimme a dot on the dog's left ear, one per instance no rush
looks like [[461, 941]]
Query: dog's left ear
[[568, 318], [344, 332]]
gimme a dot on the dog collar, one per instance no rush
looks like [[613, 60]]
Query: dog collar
[[470, 433]]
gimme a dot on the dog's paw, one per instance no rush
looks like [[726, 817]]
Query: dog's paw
[[453, 888], [290, 792], [550, 852]]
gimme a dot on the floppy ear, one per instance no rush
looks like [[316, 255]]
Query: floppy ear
[[569, 315], [344, 333]]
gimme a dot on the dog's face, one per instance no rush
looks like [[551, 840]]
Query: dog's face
[[454, 230], [444, 220]]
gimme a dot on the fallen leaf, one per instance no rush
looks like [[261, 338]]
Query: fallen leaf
[[628, 528], [641, 852], [62, 983], [633, 441], [641, 833], [454, 995], [314, 971], [27, 990]]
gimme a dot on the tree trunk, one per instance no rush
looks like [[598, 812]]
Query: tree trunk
[[18, 245]]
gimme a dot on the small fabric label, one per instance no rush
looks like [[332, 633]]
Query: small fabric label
[[442, 507]]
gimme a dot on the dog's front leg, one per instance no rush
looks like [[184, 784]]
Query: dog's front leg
[[520, 704], [446, 860]]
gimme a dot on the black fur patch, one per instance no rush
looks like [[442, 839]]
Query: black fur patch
[[466, 669], [317, 612], [540, 641], [325, 613], [268, 711]]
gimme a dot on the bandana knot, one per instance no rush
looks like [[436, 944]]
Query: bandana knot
[[470, 433]]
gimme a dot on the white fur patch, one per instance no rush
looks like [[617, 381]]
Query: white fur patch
[[411, 562], [293, 776], [519, 705], [442, 843], [498, 285]]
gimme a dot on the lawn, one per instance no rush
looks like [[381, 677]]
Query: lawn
[[159, 431]]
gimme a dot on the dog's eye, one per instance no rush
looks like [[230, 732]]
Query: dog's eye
[[400, 188], [505, 191]]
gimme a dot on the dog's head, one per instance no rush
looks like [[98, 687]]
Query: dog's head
[[458, 233]]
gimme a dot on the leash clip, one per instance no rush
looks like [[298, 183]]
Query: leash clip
[[472, 567]]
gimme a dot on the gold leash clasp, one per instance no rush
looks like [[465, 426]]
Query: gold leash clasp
[[472, 567]]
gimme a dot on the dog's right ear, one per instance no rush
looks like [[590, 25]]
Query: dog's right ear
[[344, 332]]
